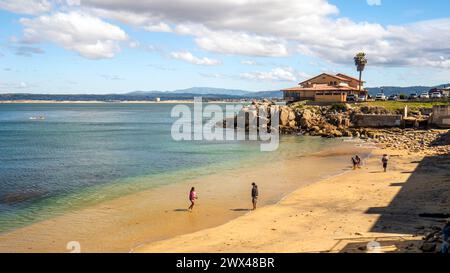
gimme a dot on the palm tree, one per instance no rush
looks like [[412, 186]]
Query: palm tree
[[360, 62]]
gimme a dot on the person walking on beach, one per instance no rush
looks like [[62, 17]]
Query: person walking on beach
[[192, 197], [358, 161], [254, 195], [385, 161], [354, 163]]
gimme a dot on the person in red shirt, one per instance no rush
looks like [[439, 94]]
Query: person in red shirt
[[192, 197]]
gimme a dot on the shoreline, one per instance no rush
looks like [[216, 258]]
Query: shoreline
[[342, 213], [147, 223], [117, 102]]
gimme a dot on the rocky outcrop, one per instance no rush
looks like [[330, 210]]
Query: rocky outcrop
[[341, 120]]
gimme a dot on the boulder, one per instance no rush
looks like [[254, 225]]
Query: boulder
[[336, 133], [284, 116], [291, 115], [292, 124], [347, 133], [315, 129], [428, 247]]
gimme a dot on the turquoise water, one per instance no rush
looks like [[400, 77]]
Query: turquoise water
[[83, 154]]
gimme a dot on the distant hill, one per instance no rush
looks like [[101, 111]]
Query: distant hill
[[210, 91], [389, 90]]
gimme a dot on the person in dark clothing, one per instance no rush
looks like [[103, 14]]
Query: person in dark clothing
[[446, 237], [385, 161], [358, 161], [355, 163], [254, 195]]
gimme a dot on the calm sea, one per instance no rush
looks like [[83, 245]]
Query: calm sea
[[83, 154]]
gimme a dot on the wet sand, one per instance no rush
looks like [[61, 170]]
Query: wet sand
[[130, 222]]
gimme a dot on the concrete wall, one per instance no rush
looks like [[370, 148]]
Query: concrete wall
[[378, 120], [441, 116], [330, 96]]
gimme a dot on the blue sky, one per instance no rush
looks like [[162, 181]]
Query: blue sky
[[108, 46]]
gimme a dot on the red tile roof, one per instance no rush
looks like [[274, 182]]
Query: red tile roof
[[322, 87], [326, 74], [348, 77]]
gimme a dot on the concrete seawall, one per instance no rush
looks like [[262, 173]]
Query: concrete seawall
[[375, 121], [441, 116]]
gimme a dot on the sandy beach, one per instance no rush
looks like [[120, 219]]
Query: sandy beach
[[125, 223], [339, 214]]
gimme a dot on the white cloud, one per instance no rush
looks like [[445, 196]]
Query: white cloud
[[233, 42], [248, 62], [26, 6], [314, 27], [277, 74], [188, 57], [142, 21], [250, 28], [374, 2], [80, 32]]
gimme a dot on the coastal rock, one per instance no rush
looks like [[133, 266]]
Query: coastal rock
[[291, 115], [428, 247], [336, 133], [284, 116]]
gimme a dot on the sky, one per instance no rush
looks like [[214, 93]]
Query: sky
[[119, 46]]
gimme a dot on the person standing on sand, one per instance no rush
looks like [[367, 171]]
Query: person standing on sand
[[358, 161], [385, 161], [254, 195], [354, 163], [192, 197]]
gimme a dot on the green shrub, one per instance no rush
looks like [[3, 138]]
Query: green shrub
[[339, 107]]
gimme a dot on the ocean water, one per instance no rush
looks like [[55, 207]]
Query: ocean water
[[83, 154]]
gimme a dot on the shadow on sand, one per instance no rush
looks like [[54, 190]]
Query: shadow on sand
[[420, 202], [418, 196], [237, 210], [180, 210]]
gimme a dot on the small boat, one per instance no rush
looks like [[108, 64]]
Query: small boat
[[37, 118]]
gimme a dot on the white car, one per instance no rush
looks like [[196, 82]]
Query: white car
[[436, 95], [380, 96], [424, 95]]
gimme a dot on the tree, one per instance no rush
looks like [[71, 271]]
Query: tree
[[360, 62]]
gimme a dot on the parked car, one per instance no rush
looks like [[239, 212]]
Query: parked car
[[436, 95], [362, 98], [393, 97], [413, 96], [352, 98], [424, 95], [380, 96]]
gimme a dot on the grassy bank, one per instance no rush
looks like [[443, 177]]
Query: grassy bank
[[398, 105]]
